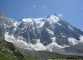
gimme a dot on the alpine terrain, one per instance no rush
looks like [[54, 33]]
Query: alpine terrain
[[50, 33]]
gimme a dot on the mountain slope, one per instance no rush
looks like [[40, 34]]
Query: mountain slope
[[45, 55], [9, 52], [50, 33]]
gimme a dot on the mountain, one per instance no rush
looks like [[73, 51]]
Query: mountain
[[50, 33]]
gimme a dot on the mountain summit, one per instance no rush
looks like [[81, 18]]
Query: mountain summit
[[49, 33]]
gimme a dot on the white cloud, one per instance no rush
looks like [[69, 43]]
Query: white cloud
[[34, 6], [44, 7], [60, 15]]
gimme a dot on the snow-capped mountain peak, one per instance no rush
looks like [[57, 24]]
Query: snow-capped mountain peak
[[53, 19], [49, 33]]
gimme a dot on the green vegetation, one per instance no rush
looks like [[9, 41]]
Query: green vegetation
[[28, 57], [52, 55], [9, 52]]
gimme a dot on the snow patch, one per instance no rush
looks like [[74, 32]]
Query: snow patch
[[59, 24], [39, 22], [38, 40], [17, 41], [27, 20], [53, 39], [39, 46], [81, 39], [53, 47], [62, 35], [2, 17], [53, 19], [33, 28], [50, 31], [15, 24], [72, 41], [22, 44], [70, 27]]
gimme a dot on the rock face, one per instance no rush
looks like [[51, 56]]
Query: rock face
[[40, 30], [1, 26]]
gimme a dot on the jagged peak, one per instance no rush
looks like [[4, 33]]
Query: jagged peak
[[53, 18]]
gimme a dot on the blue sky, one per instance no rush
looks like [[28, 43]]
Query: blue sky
[[69, 10]]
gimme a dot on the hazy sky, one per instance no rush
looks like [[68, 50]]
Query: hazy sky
[[69, 10]]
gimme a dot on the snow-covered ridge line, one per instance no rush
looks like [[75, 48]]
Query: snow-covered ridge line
[[38, 21]]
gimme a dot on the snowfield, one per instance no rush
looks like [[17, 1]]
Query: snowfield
[[52, 47]]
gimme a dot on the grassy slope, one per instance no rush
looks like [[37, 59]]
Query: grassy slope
[[9, 52], [41, 55], [48, 55]]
